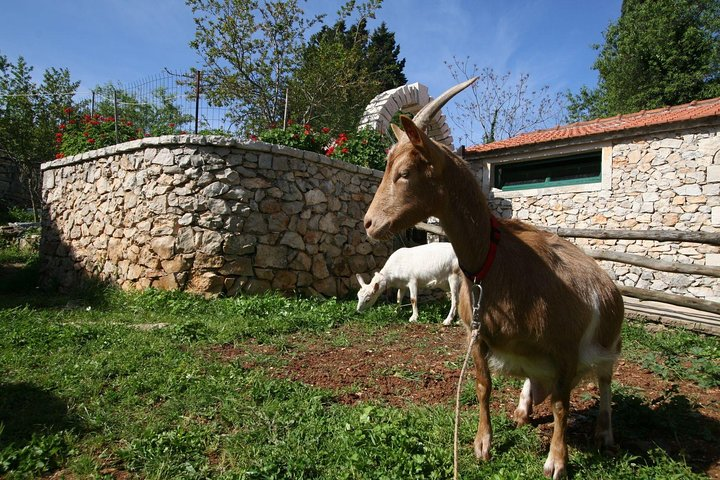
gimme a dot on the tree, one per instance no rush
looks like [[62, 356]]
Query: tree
[[255, 52], [249, 49], [343, 69], [157, 114], [501, 108], [29, 114], [659, 52], [383, 61]]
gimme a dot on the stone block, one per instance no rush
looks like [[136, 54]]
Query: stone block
[[241, 266], [164, 246], [271, 257], [713, 173]]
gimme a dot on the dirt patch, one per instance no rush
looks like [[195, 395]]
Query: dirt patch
[[420, 364]]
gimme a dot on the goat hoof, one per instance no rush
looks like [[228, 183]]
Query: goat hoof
[[413, 319], [604, 440], [554, 469], [521, 417], [482, 448], [447, 322]]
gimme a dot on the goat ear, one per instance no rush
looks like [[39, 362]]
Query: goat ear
[[416, 136], [360, 280], [432, 153], [398, 132], [376, 287]]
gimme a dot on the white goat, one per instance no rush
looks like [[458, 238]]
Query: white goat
[[430, 265]]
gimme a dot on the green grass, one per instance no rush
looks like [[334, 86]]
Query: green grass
[[85, 391]]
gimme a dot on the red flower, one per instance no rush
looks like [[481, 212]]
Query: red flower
[[61, 126], [345, 150], [290, 122], [59, 155], [91, 140], [254, 138], [171, 125], [325, 130], [330, 151], [68, 110]]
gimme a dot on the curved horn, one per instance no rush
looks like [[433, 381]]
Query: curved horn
[[422, 118]]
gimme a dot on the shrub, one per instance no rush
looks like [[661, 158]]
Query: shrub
[[366, 148], [294, 135], [80, 133]]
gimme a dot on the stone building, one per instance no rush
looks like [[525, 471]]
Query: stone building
[[657, 169]]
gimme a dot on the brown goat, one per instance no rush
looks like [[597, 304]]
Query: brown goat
[[548, 313]]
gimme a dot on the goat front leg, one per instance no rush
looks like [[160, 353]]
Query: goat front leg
[[412, 287], [556, 464], [483, 388]]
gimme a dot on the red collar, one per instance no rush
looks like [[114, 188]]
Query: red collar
[[494, 240]]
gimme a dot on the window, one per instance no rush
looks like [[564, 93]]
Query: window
[[559, 171]]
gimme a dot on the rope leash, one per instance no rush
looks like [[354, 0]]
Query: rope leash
[[476, 292]]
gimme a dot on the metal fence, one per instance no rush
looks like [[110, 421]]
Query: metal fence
[[148, 99]]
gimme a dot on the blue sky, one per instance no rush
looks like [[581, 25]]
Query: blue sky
[[124, 41]]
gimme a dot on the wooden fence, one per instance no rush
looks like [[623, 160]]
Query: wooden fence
[[645, 262]]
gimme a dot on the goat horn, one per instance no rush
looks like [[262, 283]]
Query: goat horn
[[422, 118]]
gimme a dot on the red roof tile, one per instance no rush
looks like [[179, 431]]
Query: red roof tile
[[689, 111]]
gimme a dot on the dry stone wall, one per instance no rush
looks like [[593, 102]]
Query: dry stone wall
[[208, 214], [669, 181]]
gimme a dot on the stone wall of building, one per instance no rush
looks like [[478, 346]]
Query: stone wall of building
[[13, 190], [668, 181], [208, 214]]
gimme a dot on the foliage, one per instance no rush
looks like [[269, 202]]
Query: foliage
[[367, 148], [159, 116], [303, 137], [664, 52], [249, 50], [502, 108], [77, 134], [342, 69], [15, 214], [256, 52], [81, 130], [29, 114]]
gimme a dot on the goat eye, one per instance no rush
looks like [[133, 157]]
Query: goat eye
[[403, 174]]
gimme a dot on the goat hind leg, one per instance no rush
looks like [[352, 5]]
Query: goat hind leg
[[603, 428], [525, 404], [412, 286], [454, 282], [483, 388]]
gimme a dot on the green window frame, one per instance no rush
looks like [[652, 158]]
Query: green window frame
[[574, 169]]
